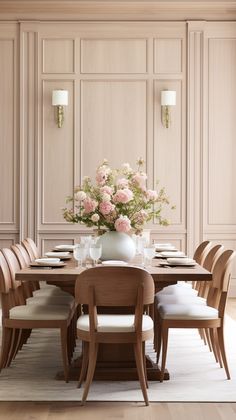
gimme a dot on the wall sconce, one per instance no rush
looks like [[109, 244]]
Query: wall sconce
[[60, 99], [168, 98]]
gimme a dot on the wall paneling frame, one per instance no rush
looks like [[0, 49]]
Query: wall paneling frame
[[114, 72]]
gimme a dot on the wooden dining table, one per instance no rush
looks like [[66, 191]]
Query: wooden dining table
[[115, 362]]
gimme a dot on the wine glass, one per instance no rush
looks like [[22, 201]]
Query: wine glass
[[95, 252], [79, 253], [148, 253]]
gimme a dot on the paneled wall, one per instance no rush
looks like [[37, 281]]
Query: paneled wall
[[115, 72]]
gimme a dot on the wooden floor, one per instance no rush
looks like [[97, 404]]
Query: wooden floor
[[120, 411]]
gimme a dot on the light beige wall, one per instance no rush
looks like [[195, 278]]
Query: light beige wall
[[114, 73]]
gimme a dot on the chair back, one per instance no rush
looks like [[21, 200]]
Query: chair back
[[221, 276], [212, 256], [24, 253], [9, 297], [13, 265], [5, 275], [201, 252], [34, 248], [28, 248], [19, 256], [114, 286]]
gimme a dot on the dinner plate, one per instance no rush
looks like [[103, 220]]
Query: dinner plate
[[48, 261], [60, 255], [114, 262], [165, 248], [64, 247], [47, 265], [181, 261], [174, 254], [166, 264]]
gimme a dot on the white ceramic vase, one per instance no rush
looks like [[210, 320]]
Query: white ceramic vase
[[117, 246]]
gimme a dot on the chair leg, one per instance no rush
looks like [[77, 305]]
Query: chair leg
[[165, 331], [14, 343], [6, 343], [144, 363], [84, 365], [217, 347], [220, 333], [64, 350], [213, 344], [207, 335], [93, 351], [140, 369]]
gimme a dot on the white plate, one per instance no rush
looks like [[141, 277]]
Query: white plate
[[174, 254], [165, 248], [164, 245], [114, 262], [166, 264], [181, 261], [61, 255], [65, 247], [47, 261]]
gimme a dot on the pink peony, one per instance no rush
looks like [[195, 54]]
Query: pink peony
[[95, 217], [123, 196], [89, 205], [80, 195], [122, 183], [123, 224], [151, 195], [106, 189], [102, 174], [139, 179], [105, 207]]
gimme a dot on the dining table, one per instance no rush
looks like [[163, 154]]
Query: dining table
[[115, 362]]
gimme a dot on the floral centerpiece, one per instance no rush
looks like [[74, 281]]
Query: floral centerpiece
[[118, 200]]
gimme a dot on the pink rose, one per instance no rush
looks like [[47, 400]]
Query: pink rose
[[151, 195], [122, 183], [102, 174], [95, 217], [139, 179], [105, 207], [123, 196], [123, 224], [89, 205], [106, 189]]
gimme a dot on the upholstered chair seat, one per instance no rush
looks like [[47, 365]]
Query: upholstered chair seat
[[114, 323], [187, 312], [39, 312]]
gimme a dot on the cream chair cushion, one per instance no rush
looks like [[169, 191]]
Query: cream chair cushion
[[51, 300], [178, 290], [115, 323], [50, 292], [187, 312], [173, 298], [39, 312]]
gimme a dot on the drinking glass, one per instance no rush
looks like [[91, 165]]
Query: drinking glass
[[148, 254], [80, 252], [95, 252]]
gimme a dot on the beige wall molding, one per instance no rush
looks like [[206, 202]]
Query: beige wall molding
[[117, 10]]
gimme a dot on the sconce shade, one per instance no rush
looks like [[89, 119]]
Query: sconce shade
[[60, 97], [168, 97]]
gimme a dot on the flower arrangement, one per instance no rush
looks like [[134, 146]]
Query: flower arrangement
[[118, 200]]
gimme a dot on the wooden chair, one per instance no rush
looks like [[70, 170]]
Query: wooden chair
[[18, 319], [114, 287], [28, 249], [210, 316], [183, 298], [187, 288]]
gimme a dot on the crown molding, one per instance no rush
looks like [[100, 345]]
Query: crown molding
[[118, 10]]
